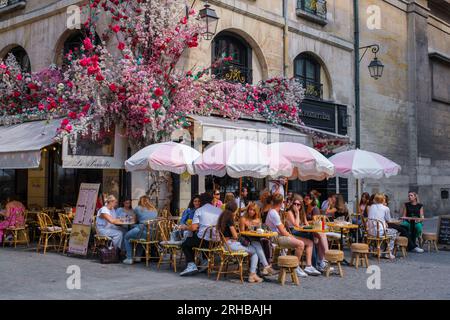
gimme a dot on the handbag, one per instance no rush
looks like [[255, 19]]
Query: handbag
[[108, 254]]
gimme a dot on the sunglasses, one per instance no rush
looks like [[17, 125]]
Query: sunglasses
[[297, 204], [217, 194]]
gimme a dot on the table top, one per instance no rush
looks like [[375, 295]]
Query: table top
[[342, 226], [412, 218], [302, 229], [259, 235], [123, 223], [395, 221]]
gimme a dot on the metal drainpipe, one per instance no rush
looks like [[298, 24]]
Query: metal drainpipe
[[357, 88], [285, 39]]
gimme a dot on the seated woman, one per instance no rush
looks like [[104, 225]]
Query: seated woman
[[251, 219], [225, 224], [216, 200], [145, 211], [380, 212], [107, 221], [188, 215], [311, 208], [413, 209], [341, 208], [13, 216], [287, 240], [296, 217], [126, 211]]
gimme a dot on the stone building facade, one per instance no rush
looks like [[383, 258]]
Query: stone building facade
[[404, 114]]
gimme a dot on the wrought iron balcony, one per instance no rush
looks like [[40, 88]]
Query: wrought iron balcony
[[233, 73], [313, 10], [11, 5], [313, 89]]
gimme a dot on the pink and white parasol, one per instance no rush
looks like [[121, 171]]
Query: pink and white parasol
[[363, 164], [167, 156], [241, 158], [309, 163]]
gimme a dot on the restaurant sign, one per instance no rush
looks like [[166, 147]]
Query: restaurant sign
[[85, 210], [109, 152]]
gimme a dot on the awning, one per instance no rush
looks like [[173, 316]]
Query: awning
[[216, 129], [21, 144]]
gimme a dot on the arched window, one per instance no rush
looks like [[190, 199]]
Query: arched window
[[227, 44], [307, 71], [73, 44], [22, 58]]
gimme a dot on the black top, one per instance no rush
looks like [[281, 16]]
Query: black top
[[227, 232], [413, 211]]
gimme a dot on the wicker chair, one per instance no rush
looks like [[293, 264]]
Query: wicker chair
[[376, 241], [16, 230], [227, 256], [99, 240], [151, 241], [66, 226], [48, 231], [211, 250], [168, 248]]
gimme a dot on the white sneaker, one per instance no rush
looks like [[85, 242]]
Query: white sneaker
[[322, 266], [127, 261], [191, 269], [418, 250], [312, 271], [301, 273]]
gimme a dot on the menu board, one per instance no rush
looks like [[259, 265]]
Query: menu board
[[85, 210], [444, 230]]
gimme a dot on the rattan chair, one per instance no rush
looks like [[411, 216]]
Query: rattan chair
[[151, 241], [208, 248], [48, 231], [66, 226], [375, 242], [168, 248], [99, 240], [19, 228], [227, 256]]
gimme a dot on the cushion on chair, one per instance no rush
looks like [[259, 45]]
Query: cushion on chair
[[54, 228], [171, 243], [333, 235]]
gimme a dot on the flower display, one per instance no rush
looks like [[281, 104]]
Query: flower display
[[138, 86]]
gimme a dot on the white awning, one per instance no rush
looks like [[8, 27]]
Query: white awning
[[21, 144], [216, 129]]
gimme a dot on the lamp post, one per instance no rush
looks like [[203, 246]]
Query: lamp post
[[209, 18]]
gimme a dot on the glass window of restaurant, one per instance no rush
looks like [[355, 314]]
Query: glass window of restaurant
[[13, 183]]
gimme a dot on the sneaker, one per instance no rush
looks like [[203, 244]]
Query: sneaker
[[418, 250], [127, 261], [391, 256], [300, 273], [203, 266], [312, 271], [322, 266], [190, 269]]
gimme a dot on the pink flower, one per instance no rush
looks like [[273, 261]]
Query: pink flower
[[88, 44], [70, 84], [68, 128], [115, 28], [158, 92], [156, 105], [19, 77], [41, 107], [3, 66], [121, 46], [64, 122]]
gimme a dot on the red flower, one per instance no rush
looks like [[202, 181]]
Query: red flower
[[64, 122], [32, 86], [19, 77], [156, 105], [112, 87], [70, 84], [99, 77], [72, 115], [16, 94], [184, 20], [92, 70], [68, 128], [146, 120], [121, 46], [41, 107], [115, 28], [85, 62], [158, 92], [88, 44], [86, 108]]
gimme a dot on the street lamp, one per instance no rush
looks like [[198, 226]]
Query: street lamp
[[210, 20], [375, 67]]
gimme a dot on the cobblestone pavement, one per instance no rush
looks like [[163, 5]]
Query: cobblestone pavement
[[28, 275]]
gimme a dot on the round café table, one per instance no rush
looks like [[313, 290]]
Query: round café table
[[343, 227], [254, 234]]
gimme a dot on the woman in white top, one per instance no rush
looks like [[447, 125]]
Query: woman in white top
[[107, 220], [378, 211]]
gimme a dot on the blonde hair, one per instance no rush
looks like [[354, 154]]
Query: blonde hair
[[255, 208], [145, 202], [229, 196], [379, 198], [415, 194], [110, 198]]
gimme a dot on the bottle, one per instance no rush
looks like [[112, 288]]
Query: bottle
[[323, 224]]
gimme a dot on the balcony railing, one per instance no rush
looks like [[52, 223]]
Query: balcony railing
[[315, 10], [313, 89], [11, 5], [234, 73]]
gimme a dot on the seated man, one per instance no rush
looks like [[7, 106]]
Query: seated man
[[145, 211], [205, 216]]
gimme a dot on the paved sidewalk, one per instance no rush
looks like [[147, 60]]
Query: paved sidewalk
[[28, 275]]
